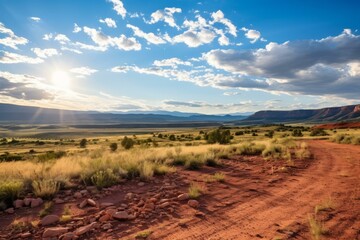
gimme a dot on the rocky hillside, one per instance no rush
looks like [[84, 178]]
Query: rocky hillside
[[331, 114]]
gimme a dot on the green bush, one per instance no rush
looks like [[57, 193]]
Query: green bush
[[194, 163], [127, 143], [318, 132], [251, 149], [113, 147], [275, 151], [10, 191], [103, 179], [297, 133], [218, 136], [51, 155], [83, 143]]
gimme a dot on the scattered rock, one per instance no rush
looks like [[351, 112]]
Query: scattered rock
[[149, 206], [164, 205], [83, 204], [92, 189], [121, 215], [104, 218], [36, 202], [129, 196], [10, 210], [54, 232], [58, 201], [18, 203], [91, 202], [106, 226], [184, 196], [140, 184], [27, 201], [84, 229], [68, 236], [49, 219], [25, 235], [77, 195], [106, 204], [163, 200], [83, 192], [193, 203]]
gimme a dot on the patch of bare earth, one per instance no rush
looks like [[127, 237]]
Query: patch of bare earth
[[259, 199]]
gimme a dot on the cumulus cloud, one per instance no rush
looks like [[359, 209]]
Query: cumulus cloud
[[44, 53], [109, 22], [195, 38], [62, 39], [76, 28], [252, 34], [104, 41], [11, 40], [220, 18], [71, 50], [325, 66], [10, 58], [194, 104], [48, 36], [119, 7], [171, 62], [166, 15], [35, 19], [83, 71], [149, 37]]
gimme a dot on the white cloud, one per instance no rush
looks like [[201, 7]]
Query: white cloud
[[71, 50], [48, 36], [76, 28], [328, 66], [83, 71], [10, 58], [90, 47], [109, 22], [171, 62], [11, 40], [119, 7], [166, 15], [104, 41], [35, 19], [44, 53], [219, 17], [61, 38], [194, 38], [149, 37], [252, 34]]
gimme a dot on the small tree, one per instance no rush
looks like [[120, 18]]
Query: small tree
[[83, 143], [297, 133], [127, 143], [113, 147], [269, 134]]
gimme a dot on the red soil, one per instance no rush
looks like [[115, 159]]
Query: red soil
[[258, 200], [339, 125]]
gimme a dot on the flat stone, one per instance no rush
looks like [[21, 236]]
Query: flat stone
[[91, 202], [184, 196], [10, 210], [140, 184], [83, 204], [36, 202], [78, 195], [49, 219], [104, 218], [164, 205], [27, 201], [68, 236], [54, 232], [106, 204], [121, 215], [193, 203], [25, 235], [84, 229], [18, 203]]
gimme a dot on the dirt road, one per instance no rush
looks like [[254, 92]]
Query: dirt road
[[256, 208]]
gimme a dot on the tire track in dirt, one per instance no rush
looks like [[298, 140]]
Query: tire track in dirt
[[280, 209]]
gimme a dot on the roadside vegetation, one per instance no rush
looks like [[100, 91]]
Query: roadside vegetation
[[54, 165]]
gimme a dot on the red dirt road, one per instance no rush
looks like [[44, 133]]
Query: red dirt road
[[281, 211]]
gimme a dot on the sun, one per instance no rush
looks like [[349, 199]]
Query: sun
[[60, 80]]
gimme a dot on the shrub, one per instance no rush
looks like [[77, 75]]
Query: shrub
[[275, 151], [238, 133], [46, 209], [316, 228], [194, 191], [146, 170], [318, 132], [9, 191], [83, 143], [218, 136], [127, 143], [269, 134], [113, 147], [194, 163], [51, 155], [161, 169], [251, 149], [219, 177], [45, 188], [172, 137], [297, 133], [105, 178]]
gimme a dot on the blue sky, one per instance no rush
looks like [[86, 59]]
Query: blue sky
[[211, 57]]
